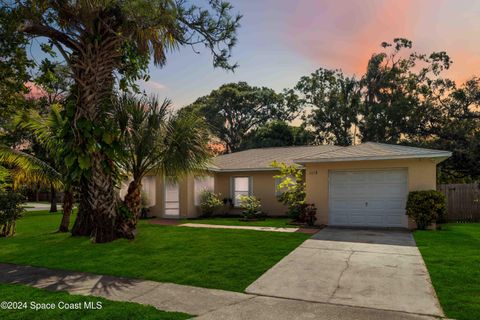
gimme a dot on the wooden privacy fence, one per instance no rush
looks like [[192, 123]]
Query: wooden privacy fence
[[463, 202]]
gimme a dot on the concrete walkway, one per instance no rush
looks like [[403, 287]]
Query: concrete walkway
[[205, 303], [256, 228], [163, 296], [38, 206], [362, 268]]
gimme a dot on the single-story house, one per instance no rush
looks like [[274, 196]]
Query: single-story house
[[361, 185]]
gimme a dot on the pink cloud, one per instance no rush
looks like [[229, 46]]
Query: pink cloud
[[344, 34], [154, 85]]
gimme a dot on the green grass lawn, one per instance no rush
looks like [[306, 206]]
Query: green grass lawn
[[211, 258], [109, 309], [452, 256], [234, 221]]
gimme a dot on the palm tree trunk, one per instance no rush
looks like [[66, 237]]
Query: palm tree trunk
[[93, 70], [53, 199], [83, 225], [67, 210], [126, 226], [133, 199], [102, 198]]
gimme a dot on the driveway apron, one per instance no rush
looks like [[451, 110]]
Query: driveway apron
[[380, 269]]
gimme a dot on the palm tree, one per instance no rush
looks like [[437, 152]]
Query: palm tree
[[23, 168], [48, 133], [101, 39], [156, 141]]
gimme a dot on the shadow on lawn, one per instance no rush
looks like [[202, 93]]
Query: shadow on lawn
[[59, 280]]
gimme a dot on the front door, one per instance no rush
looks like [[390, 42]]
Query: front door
[[172, 200]]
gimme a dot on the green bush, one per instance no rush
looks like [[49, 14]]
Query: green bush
[[292, 188], [209, 203], [251, 207], [309, 214], [426, 207], [11, 209]]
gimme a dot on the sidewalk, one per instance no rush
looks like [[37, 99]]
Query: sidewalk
[[163, 296], [208, 304]]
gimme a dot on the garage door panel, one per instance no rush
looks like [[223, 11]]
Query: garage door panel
[[368, 198], [349, 177], [390, 204], [350, 205]]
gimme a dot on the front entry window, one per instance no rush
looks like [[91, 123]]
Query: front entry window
[[241, 187]]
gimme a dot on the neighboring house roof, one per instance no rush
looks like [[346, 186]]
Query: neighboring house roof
[[375, 151], [260, 159]]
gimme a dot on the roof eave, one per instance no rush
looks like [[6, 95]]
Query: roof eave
[[246, 169], [439, 157]]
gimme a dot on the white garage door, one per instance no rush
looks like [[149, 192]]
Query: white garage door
[[368, 198]]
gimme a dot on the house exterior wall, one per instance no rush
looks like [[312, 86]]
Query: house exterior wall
[[263, 185], [186, 197], [421, 176]]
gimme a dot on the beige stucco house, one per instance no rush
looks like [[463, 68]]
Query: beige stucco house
[[362, 185]]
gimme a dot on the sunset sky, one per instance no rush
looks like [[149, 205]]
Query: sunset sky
[[281, 40]]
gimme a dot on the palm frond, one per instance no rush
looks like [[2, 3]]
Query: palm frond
[[27, 169], [156, 140], [45, 129], [186, 146]]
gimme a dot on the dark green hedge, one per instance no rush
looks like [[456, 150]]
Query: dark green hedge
[[426, 207]]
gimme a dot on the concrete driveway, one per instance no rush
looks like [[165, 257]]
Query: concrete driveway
[[379, 269]]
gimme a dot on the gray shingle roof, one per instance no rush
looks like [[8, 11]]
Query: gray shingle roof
[[260, 159], [374, 151]]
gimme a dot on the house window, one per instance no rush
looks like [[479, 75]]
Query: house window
[[201, 184], [149, 190], [241, 186]]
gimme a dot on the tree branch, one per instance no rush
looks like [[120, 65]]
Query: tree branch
[[45, 31]]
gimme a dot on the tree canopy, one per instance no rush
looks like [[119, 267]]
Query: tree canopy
[[236, 109], [105, 45]]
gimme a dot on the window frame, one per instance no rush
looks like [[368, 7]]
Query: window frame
[[233, 191]]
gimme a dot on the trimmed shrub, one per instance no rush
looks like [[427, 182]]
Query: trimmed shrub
[[309, 215], [251, 207], [11, 210], [425, 207], [209, 203]]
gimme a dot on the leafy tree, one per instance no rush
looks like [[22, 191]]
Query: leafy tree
[[278, 134], [154, 140], [334, 101], [292, 188], [398, 88], [55, 80], [236, 109], [99, 40], [453, 123], [14, 65]]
